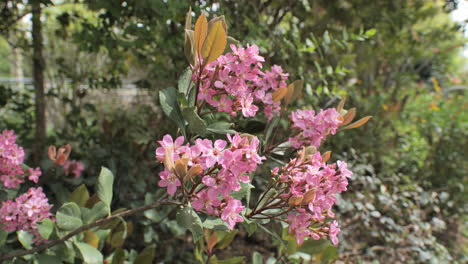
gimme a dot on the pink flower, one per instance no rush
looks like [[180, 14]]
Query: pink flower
[[170, 181], [231, 212], [298, 225], [313, 129], [248, 109], [25, 212], [167, 142], [34, 174], [11, 158], [73, 167], [208, 200], [333, 232], [235, 82]]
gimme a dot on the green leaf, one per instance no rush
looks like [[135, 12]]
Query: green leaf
[[196, 125], [104, 187], [25, 238], [227, 239], [170, 106], [234, 260], [273, 234], [45, 228], [329, 254], [69, 217], [146, 256], [99, 210], [80, 195], [250, 226], [314, 246], [89, 254], [243, 192], [257, 258], [371, 32], [185, 81], [222, 128], [118, 257], [48, 259], [215, 224], [3, 236], [189, 219]]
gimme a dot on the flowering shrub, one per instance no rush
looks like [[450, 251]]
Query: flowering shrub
[[11, 158], [210, 165]]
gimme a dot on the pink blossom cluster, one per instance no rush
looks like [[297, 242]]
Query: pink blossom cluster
[[314, 128], [25, 212], [224, 165], [235, 82], [11, 159], [73, 167], [311, 188]]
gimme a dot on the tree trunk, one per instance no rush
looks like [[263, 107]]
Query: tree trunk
[[38, 75]]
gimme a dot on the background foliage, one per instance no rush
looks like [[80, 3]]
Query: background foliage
[[396, 60]]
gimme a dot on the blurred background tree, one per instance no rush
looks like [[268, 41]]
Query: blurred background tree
[[399, 61]]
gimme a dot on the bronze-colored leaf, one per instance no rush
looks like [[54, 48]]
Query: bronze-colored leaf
[[188, 19], [211, 240], [216, 19], [309, 196], [189, 48], [194, 170], [280, 94], [289, 94], [181, 167], [168, 160], [200, 33], [215, 43], [358, 123], [341, 105], [326, 156], [295, 200], [349, 116], [91, 238]]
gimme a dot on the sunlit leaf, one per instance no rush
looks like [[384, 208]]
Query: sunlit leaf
[[358, 123], [200, 32], [215, 43]]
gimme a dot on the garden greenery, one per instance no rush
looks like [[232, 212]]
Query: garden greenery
[[209, 169]]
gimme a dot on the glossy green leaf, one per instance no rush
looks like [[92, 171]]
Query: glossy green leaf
[[99, 210], [227, 239], [185, 81], [80, 195], [170, 106], [104, 187], [48, 259], [118, 257], [25, 238], [68, 217], [189, 219], [195, 125], [221, 127], [257, 258], [45, 228], [89, 254], [146, 256]]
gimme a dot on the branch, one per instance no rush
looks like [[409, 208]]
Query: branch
[[86, 227]]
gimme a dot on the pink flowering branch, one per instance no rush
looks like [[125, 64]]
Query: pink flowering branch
[[81, 229]]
